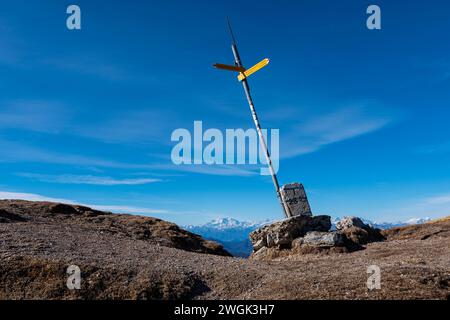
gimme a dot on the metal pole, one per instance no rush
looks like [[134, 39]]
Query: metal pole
[[238, 62]]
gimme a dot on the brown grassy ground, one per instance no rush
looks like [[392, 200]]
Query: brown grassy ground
[[118, 264]]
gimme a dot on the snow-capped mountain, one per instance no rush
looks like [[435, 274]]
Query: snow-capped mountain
[[418, 220], [226, 229], [231, 233], [386, 225], [227, 223]]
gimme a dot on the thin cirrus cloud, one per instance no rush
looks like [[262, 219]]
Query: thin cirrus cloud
[[439, 200], [297, 136], [215, 170], [325, 129], [53, 117], [434, 206], [25, 153], [18, 152], [34, 115], [132, 127], [87, 179]]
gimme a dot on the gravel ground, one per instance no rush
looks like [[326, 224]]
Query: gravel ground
[[34, 256]]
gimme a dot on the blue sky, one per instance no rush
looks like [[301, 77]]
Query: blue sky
[[86, 116]]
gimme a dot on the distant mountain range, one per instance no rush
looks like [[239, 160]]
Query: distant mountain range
[[387, 225], [233, 234], [227, 229]]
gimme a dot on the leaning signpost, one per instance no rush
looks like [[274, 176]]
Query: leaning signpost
[[292, 197]]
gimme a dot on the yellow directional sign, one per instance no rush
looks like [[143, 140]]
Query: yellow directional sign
[[229, 68], [253, 69]]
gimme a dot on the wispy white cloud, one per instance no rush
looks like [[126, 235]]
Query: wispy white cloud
[[438, 200], [297, 137], [23, 153], [18, 152], [432, 206], [216, 170], [324, 129], [343, 124], [129, 209], [33, 115], [138, 127], [88, 179]]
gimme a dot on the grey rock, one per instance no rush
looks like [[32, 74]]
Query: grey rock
[[261, 253], [269, 240], [323, 239], [259, 244], [349, 222], [295, 197], [282, 233], [281, 239], [355, 236], [321, 223]]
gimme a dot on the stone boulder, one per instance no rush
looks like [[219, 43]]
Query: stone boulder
[[358, 233], [281, 233], [323, 239], [348, 222], [355, 235]]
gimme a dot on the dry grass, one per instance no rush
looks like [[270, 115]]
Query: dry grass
[[119, 260]]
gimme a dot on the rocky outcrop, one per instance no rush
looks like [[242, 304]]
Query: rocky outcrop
[[282, 233], [311, 234]]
